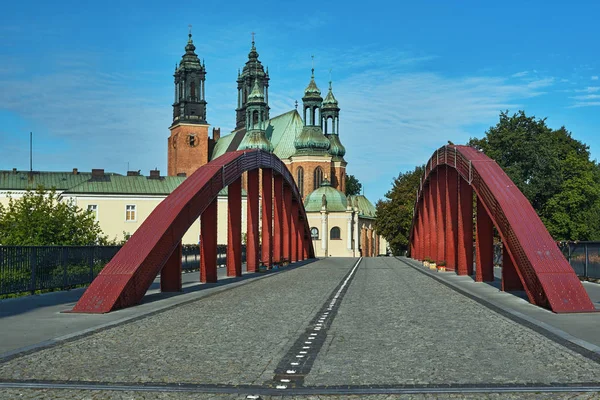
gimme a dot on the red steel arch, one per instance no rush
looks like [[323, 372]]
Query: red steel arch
[[442, 230], [156, 246]]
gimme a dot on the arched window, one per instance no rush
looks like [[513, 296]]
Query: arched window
[[314, 233], [300, 181], [334, 233], [317, 178], [193, 90]]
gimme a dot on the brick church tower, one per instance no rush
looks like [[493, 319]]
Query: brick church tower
[[189, 144]]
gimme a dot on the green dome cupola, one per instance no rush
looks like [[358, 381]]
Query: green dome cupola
[[334, 199], [336, 148], [311, 140], [256, 120], [330, 114], [253, 72]]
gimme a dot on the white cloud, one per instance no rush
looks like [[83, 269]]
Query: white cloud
[[520, 74], [595, 77], [392, 115]]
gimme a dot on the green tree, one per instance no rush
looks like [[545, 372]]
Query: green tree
[[353, 186], [552, 169], [395, 213], [40, 218]]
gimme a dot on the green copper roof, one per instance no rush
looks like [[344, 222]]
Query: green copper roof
[[330, 102], [256, 139], [23, 180], [256, 96], [336, 200], [336, 149], [82, 183], [281, 131], [311, 140], [312, 91], [129, 185], [365, 207]]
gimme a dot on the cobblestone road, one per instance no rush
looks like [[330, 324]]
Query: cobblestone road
[[394, 327]]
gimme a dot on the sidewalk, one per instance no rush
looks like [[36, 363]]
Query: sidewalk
[[39, 320], [582, 329]]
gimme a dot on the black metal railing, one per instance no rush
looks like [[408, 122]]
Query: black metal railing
[[45, 268], [584, 257]]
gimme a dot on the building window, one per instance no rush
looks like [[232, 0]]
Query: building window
[[300, 181], [94, 209], [130, 212], [314, 233], [334, 233], [318, 178]]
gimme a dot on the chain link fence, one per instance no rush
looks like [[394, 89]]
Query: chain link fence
[[45, 268]]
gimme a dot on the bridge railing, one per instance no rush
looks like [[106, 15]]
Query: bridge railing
[[584, 257], [45, 268]]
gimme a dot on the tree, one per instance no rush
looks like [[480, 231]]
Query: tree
[[40, 218], [395, 213], [553, 170], [353, 186]]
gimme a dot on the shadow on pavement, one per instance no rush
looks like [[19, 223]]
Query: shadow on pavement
[[22, 305]]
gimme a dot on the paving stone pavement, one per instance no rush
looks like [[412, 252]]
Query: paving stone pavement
[[234, 337], [33, 394], [395, 327]]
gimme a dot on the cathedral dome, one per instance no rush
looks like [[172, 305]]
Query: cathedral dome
[[256, 139], [335, 200], [336, 148], [311, 138]]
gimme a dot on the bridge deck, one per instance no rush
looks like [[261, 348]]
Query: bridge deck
[[320, 328]]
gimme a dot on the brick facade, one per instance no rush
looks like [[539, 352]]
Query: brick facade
[[188, 148]]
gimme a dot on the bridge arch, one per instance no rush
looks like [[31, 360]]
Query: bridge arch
[[442, 230], [156, 246]]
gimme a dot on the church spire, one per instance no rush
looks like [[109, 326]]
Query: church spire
[[190, 104], [256, 119], [311, 140], [252, 72]]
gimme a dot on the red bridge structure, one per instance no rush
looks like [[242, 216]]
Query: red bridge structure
[[442, 230], [156, 246]]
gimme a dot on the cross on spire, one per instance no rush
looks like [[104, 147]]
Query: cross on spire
[[253, 38], [313, 65], [190, 29]]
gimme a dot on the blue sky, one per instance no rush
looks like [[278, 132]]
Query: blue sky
[[93, 80]]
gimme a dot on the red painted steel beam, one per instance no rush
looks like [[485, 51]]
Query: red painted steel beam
[[426, 222], [277, 217], [287, 223], [208, 244], [125, 279], [234, 225], [421, 239], [170, 275], [267, 217], [451, 214], [252, 222], [293, 234], [465, 229], [484, 243], [547, 277], [441, 210], [510, 277]]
